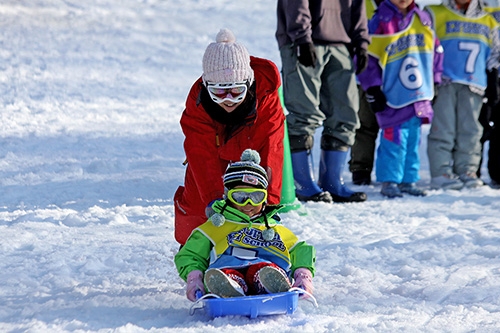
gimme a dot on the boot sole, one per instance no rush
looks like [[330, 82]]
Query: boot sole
[[355, 197], [273, 281], [415, 194], [473, 184], [392, 196], [320, 197], [220, 284], [455, 187]]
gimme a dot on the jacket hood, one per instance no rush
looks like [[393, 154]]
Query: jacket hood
[[267, 78]]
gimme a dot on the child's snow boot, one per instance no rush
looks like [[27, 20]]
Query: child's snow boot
[[446, 182], [306, 188], [273, 280], [470, 180], [229, 283], [391, 190], [412, 189], [330, 177]]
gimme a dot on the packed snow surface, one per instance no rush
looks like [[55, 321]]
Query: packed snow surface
[[91, 154]]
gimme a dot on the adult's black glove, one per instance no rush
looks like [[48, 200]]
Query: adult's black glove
[[376, 98], [306, 53], [491, 92], [361, 60]]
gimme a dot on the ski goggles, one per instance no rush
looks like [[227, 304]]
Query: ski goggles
[[233, 92], [244, 196]]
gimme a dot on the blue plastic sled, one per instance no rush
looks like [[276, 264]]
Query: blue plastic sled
[[251, 306]]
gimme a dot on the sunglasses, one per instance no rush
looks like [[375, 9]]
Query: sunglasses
[[244, 196], [221, 92]]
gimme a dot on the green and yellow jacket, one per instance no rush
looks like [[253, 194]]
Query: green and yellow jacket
[[239, 242]]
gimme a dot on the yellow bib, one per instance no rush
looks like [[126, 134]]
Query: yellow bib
[[240, 235], [406, 60]]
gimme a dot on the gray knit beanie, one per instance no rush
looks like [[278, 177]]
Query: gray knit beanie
[[226, 61]]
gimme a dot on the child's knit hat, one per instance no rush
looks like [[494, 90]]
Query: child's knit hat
[[246, 172], [226, 61]]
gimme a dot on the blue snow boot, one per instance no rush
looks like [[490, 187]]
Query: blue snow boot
[[306, 188], [330, 177], [391, 190]]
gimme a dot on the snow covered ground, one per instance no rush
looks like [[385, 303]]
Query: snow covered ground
[[91, 154]]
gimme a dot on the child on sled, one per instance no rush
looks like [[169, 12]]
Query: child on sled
[[243, 249]]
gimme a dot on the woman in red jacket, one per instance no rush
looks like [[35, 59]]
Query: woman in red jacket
[[235, 105]]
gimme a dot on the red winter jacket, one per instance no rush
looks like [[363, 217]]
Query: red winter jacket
[[208, 155]]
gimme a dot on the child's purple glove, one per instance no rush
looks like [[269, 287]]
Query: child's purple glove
[[303, 279], [194, 283]]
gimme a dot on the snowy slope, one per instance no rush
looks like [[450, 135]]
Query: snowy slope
[[91, 155]]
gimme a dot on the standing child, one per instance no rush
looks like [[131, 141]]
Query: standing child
[[471, 49], [242, 249], [405, 64]]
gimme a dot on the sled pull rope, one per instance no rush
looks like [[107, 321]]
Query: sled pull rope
[[194, 306], [311, 298]]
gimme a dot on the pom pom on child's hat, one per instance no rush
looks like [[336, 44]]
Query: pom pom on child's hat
[[246, 172], [226, 61]]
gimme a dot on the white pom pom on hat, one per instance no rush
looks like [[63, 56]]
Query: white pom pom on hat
[[226, 61], [225, 36]]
